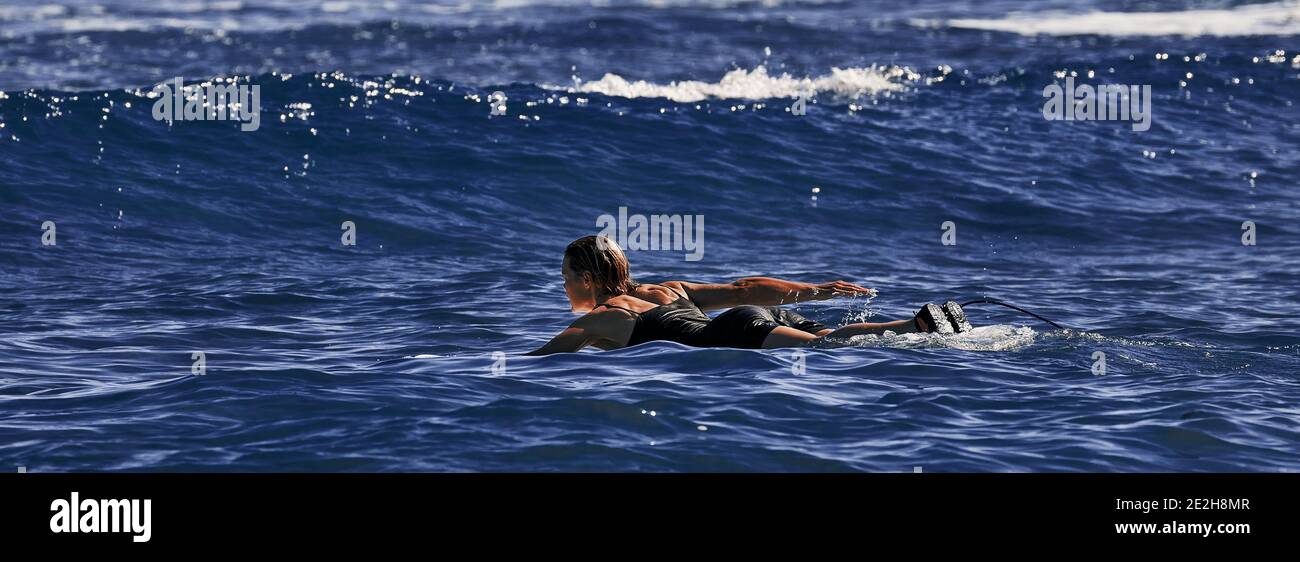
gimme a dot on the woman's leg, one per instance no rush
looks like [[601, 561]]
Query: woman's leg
[[898, 327], [784, 336]]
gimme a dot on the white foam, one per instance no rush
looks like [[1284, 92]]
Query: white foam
[[111, 23], [1278, 18], [757, 84], [198, 6], [984, 338], [21, 13]]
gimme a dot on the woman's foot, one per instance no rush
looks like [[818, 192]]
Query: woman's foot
[[931, 318]]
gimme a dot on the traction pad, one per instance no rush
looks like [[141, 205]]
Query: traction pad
[[957, 317], [934, 316]]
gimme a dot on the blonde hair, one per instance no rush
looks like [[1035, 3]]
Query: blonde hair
[[604, 260]]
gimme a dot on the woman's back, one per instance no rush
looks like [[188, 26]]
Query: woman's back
[[678, 320]]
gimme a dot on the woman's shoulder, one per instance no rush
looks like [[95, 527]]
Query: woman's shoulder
[[611, 322], [658, 293], [606, 315]]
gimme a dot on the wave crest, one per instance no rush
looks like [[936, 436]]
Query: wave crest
[[758, 84], [1278, 18]]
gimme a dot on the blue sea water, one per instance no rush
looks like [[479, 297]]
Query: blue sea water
[[402, 353]]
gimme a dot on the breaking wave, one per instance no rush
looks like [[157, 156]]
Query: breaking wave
[[758, 84], [1279, 18]]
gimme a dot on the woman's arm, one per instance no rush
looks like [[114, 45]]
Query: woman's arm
[[607, 325], [571, 339], [763, 291]]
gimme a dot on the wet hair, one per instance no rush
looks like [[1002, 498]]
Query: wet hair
[[604, 260]]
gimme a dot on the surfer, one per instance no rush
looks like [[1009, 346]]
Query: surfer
[[619, 312]]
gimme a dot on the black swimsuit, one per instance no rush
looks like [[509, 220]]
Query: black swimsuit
[[743, 327]]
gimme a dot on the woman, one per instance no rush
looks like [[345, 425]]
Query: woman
[[621, 313]]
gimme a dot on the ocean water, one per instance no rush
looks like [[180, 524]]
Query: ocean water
[[402, 353]]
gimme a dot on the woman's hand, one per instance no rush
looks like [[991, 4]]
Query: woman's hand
[[825, 291]]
